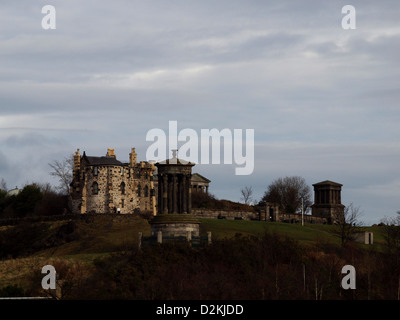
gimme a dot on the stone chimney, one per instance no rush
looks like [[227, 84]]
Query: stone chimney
[[77, 161], [111, 154], [133, 157]]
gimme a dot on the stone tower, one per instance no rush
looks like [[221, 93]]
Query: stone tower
[[174, 216], [327, 200]]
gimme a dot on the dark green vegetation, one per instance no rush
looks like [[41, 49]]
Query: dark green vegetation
[[33, 200], [96, 257]]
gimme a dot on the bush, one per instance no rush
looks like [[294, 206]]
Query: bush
[[12, 291], [203, 200], [33, 200]]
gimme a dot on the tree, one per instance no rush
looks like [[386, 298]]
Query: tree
[[288, 193], [3, 185], [391, 232], [26, 201], [247, 195], [348, 224], [63, 171]]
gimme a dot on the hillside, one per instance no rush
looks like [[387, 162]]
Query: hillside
[[81, 246]]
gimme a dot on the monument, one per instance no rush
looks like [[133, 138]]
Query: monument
[[174, 203], [327, 201]]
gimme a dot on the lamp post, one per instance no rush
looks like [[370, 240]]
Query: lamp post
[[302, 212]]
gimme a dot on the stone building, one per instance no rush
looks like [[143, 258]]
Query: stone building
[[327, 200], [107, 185], [199, 183]]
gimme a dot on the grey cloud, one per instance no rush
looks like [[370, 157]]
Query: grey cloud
[[111, 72]]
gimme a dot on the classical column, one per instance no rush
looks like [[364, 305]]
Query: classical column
[[165, 193], [189, 202], [174, 194], [159, 195], [184, 194], [169, 197]]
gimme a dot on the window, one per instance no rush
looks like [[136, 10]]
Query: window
[[122, 188], [95, 171], [146, 191], [122, 203], [139, 190], [95, 188]]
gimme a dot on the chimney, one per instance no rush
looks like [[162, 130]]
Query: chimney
[[133, 157], [77, 161], [111, 154]]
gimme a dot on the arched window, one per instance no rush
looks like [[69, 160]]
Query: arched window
[[122, 188], [95, 188], [146, 191], [139, 190]]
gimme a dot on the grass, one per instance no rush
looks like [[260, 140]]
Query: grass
[[307, 234], [104, 236], [304, 234]]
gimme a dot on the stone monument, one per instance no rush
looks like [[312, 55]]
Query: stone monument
[[327, 201], [174, 201]]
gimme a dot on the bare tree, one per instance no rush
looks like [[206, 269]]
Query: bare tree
[[391, 232], [63, 171], [247, 194], [288, 193], [348, 223], [3, 185]]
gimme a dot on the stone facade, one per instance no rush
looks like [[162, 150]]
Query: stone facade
[[327, 201], [106, 185]]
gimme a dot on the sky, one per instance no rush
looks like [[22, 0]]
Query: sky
[[323, 101]]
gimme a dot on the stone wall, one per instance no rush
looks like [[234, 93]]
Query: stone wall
[[296, 218], [253, 215], [225, 214]]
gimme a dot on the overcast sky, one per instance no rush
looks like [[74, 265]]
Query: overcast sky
[[323, 101]]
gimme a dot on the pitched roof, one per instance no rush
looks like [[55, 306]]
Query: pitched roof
[[199, 178], [102, 161]]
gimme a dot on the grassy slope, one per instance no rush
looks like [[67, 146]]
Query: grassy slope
[[307, 234], [104, 236], [96, 239]]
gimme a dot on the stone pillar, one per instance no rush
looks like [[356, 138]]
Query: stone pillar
[[184, 195], [189, 201], [159, 237], [165, 193], [174, 194]]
